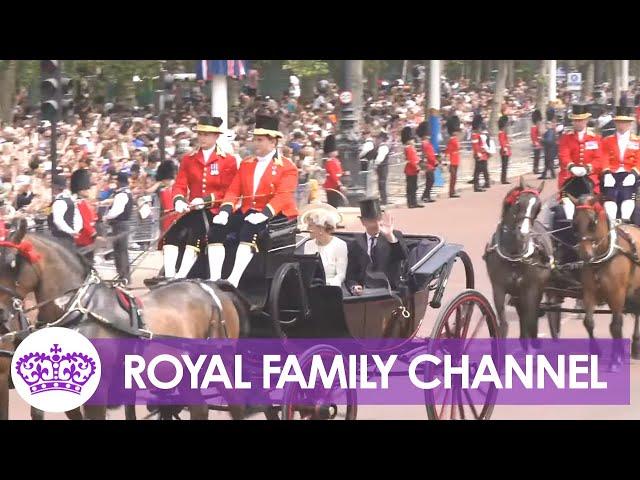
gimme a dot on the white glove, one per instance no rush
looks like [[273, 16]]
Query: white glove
[[629, 180], [181, 206], [197, 203], [256, 218], [609, 181], [578, 171], [221, 219]]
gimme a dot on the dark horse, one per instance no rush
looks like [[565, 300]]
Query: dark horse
[[33, 263], [519, 258], [611, 271]]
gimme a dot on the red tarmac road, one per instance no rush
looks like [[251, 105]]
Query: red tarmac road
[[469, 220]]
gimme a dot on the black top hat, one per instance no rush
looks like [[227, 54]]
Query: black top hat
[[423, 129], [166, 170], [370, 209], [59, 181], [453, 125], [80, 180], [502, 121], [476, 123], [406, 134], [624, 114], [123, 178], [579, 112], [536, 116], [209, 124], [329, 144], [267, 125]]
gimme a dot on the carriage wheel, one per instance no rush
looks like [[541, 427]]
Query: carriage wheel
[[468, 268], [288, 304], [469, 315], [296, 404]]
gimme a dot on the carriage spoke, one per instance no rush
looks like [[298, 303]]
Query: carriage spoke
[[473, 407], [475, 331], [453, 405], [467, 319], [444, 403], [460, 406]]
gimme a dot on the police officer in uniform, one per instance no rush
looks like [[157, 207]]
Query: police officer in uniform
[[378, 152], [64, 220], [119, 216]]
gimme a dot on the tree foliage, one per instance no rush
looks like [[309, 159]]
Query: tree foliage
[[307, 68]]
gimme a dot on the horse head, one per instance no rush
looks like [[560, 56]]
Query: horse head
[[520, 208], [591, 224]]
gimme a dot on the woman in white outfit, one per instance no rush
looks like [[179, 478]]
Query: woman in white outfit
[[333, 251]]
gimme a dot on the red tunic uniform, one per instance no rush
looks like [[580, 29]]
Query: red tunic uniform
[[412, 166], [453, 150], [505, 144], [478, 149], [334, 172], [536, 140], [208, 181], [586, 153], [611, 155], [429, 154], [87, 234], [275, 193]]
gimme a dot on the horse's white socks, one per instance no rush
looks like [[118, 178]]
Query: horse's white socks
[[216, 253], [568, 207], [626, 209], [170, 253], [243, 257], [188, 260], [612, 210]]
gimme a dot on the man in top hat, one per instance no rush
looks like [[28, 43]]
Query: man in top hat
[[481, 153], [536, 139], [621, 167], [453, 152], [119, 215], [505, 148], [429, 156], [579, 152], [379, 249], [81, 188], [411, 168], [203, 179], [264, 187], [378, 152], [333, 167], [64, 220]]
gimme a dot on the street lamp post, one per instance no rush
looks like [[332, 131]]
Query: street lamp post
[[348, 149]]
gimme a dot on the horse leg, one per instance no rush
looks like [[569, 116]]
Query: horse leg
[[531, 303], [95, 412], [199, 412], [523, 326], [36, 414], [75, 414], [635, 343], [4, 396], [498, 300]]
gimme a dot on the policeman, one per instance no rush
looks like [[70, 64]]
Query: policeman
[[119, 216], [378, 151], [64, 220]]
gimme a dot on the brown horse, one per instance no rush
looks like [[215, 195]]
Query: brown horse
[[186, 309], [611, 272], [518, 259]]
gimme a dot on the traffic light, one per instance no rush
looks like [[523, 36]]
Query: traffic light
[[167, 81], [49, 89], [66, 103]]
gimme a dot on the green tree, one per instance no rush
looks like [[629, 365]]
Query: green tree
[[309, 71]]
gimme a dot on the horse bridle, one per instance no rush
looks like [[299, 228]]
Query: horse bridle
[[596, 217], [511, 200]]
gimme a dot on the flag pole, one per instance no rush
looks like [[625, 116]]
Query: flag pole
[[219, 106]]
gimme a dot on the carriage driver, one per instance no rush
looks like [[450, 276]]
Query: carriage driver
[[621, 167], [265, 184], [203, 177], [580, 153]]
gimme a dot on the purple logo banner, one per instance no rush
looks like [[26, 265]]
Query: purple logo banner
[[366, 372]]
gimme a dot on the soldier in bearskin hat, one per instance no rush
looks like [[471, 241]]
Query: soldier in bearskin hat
[[505, 147], [481, 153], [411, 168], [453, 152], [333, 167], [430, 160], [81, 188], [536, 139]]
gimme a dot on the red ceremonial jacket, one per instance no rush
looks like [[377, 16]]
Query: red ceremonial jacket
[[536, 140], [412, 165], [429, 154], [275, 193], [209, 182], [587, 153], [611, 154], [87, 234], [453, 150], [505, 145], [333, 168], [478, 149]]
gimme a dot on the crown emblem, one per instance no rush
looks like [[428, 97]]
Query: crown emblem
[[45, 372]]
